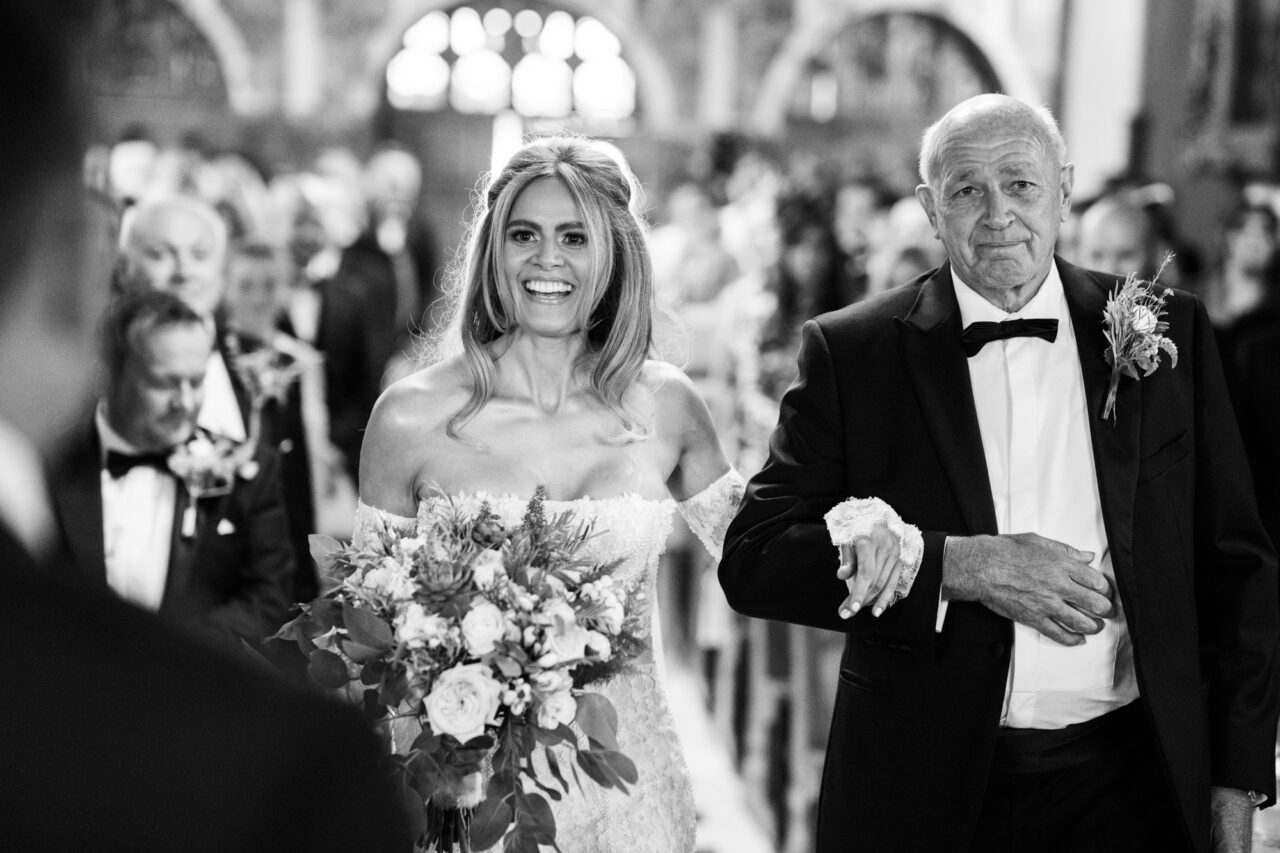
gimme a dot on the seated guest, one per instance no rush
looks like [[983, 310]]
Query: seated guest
[[179, 244], [285, 379], [221, 559]]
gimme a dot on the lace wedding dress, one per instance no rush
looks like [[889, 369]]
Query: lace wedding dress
[[658, 815]]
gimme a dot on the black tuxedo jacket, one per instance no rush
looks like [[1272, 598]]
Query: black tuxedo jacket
[[121, 734], [883, 407], [233, 577]]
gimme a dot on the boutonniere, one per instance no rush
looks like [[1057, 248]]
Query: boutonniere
[[208, 466], [1133, 325], [267, 373]]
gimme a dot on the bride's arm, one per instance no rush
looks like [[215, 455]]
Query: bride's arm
[[706, 488]]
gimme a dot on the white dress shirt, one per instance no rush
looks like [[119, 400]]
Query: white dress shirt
[[137, 523], [220, 411], [1034, 420]]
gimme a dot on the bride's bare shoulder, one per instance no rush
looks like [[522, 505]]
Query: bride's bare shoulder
[[676, 400], [424, 400]]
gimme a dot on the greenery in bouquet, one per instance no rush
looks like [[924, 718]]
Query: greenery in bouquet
[[488, 636]]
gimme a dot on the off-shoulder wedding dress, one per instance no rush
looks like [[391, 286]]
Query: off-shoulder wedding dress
[[658, 815]]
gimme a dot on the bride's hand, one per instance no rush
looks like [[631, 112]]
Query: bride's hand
[[870, 568]]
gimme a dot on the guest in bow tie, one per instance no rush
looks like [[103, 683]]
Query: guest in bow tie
[[179, 244], [1086, 658], [208, 551]]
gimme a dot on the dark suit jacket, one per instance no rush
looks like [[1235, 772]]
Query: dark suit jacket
[[883, 407], [1257, 400], [232, 578], [283, 431], [121, 734]]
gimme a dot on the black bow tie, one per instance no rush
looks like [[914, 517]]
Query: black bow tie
[[977, 335], [119, 464]]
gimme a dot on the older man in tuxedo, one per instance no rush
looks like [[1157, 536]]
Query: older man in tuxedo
[[1086, 659], [223, 561]]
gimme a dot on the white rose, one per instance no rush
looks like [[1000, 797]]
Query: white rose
[[613, 614], [551, 681], [483, 626], [462, 701], [599, 644], [415, 625], [564, 641], [556, 710], [1144, 321], [486, 566]]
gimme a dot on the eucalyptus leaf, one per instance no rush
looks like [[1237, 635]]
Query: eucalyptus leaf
[[324, 550], [598, 720], [327, 669], [366, 628], [536, 818], [489, 822], [621, 765], [359, 652]]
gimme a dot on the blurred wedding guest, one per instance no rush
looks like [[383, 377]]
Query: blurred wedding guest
[[130, 168], [1243, 292], [208, 548], [285, 378], [808, 279], [179, 244], [174, 746], [906, 226], [1115, 236], [379, 297], [858, 218]]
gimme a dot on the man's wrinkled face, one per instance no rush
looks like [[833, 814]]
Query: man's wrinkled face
[[996, 201], [156, 399]]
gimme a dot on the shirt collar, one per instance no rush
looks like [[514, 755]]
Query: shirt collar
[[108, 438], [1050, 302]]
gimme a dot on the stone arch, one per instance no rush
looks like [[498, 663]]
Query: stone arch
[[654, 82], [232, 52], [813, 34]]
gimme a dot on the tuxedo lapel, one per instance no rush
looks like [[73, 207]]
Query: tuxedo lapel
[[182, 550], [1115, 442], [939, 372], [77, 491]]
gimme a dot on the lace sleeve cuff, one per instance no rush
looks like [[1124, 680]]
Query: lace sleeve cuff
[[854, 518], [709, 512], [371, 523]]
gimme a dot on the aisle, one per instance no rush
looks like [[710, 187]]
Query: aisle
[[725, 822]]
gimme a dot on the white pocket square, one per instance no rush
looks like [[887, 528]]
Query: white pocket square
[[225, 527]]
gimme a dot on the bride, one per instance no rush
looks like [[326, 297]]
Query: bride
[[553, 387]]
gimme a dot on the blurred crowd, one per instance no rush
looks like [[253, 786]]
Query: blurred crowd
[[324, 284]]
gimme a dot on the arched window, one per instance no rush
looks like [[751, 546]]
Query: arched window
[[529, 57]]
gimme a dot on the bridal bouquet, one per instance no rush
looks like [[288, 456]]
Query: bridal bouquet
[[487, 637]]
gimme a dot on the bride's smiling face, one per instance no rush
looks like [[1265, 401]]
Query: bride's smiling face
[[547, 260]]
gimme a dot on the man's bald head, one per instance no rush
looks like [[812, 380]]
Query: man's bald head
[[176, 243], [983, 114]]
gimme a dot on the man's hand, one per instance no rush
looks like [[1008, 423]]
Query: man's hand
[[1038, 582], [870, 568], [1230, 820]]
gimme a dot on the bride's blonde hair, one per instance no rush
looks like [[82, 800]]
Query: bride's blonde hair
[[617, 316]]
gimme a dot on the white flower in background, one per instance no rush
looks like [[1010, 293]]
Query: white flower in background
[[551, 681], [486, 566], [462, 701], [564, 638], [415, 627], [556, 710], [483, 626], [599, 644], [517, 696]]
